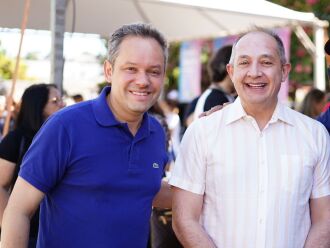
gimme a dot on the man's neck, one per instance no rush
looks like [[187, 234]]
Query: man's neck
[[261, 113], [133, 121]]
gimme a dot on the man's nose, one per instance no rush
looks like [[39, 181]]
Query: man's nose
[[254, 70], [143, 79]]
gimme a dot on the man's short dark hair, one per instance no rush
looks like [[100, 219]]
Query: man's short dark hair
[[137, 29]]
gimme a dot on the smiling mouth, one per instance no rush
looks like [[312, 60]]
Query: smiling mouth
[[256, 85], [140, 93]]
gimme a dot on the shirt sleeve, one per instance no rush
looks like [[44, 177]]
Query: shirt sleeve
[[321, 180], [46, 160], [189, 170]]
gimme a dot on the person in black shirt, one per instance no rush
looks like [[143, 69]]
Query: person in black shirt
[[38, 103], [222, 88]]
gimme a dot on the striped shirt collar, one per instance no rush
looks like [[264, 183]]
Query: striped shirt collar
[[238, 113]]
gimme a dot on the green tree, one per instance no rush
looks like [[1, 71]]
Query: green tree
[[7, 67], [302, 62]]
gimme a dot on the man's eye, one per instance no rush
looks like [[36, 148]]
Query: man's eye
[[131, 69], [244, 62], [266, 62], [155, 72]]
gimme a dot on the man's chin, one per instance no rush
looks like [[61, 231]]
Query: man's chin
[[140, 109]]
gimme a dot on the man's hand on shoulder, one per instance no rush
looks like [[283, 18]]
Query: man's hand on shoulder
[[213, 109]]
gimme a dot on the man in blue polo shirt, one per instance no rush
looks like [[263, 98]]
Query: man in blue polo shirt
[[96, 167]]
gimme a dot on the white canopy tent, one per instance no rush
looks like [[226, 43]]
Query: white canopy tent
[[177, 19]]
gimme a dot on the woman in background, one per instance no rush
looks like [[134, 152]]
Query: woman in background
[[38, 103], [313, 103]]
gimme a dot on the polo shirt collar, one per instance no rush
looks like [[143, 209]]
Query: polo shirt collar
[[102, 112], [238, 112], [105, 117]]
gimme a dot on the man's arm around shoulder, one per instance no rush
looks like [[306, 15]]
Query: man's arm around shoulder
[[187, 208], [23, 202], [319, 234]]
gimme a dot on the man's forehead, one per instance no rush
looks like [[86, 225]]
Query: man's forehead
[[259, 43], [140, 51], [256, 37], [135, 42], [129, 39]]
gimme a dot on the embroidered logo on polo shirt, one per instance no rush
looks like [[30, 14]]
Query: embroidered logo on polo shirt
[[155, 165]]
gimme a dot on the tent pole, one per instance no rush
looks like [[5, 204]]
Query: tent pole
[[319, 58], [58, 9], [10, 96], [315, 49], [305, 40]]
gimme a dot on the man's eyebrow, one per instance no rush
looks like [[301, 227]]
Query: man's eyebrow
[[261, 56], [267, 56], [130, 63], [243, 56], [156, 66], [133, 63]]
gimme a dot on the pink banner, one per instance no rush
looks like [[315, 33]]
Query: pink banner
[[190, 70]]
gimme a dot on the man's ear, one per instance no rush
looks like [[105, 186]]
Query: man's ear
[[107, 67], [286, 68], [230, 70]]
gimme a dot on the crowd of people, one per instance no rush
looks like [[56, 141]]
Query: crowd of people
[[110, 172]]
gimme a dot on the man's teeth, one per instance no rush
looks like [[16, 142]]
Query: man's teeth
[[140, 93], [257, 85]]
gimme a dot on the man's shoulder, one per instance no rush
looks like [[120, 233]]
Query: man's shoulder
[[73, 112], [155, 123], [300, 120], [295, 115], [212, 120]]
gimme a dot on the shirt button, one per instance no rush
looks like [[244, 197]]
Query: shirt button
[[260, 221]]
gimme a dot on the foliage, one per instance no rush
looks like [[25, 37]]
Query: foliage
[[301, 60], [172, 71], [7, 67], [32, 56]]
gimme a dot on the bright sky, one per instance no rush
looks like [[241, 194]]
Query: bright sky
[[40, 42], [80, 76]]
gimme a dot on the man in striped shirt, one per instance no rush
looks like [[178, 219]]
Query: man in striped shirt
[[256, 173]]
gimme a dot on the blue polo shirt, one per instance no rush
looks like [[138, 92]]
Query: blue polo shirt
[[99, 180], [325, 119]]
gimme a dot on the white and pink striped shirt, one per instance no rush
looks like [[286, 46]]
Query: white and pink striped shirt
[[256, 184]]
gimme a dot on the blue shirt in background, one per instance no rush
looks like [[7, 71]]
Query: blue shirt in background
[[325, 119]]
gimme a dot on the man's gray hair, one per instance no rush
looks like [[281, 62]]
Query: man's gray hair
[[279, 42], [137, 29]]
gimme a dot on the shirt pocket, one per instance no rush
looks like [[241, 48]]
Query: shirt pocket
[[296, 174]]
